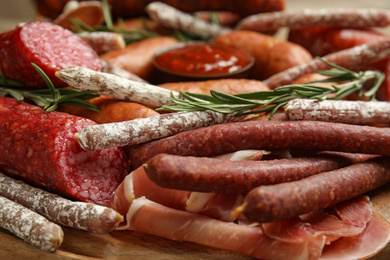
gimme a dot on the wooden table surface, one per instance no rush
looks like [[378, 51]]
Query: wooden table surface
[[133, 245]]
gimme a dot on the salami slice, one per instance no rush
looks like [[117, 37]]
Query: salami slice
[[49, 46], [39, 148]]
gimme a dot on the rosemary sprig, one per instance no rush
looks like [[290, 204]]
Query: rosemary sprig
[[50, 98], [134, 35], [271, 101]]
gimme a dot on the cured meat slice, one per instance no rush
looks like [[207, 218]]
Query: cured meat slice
[[49, 46], [137, 184], [356, 211], [373, 239], [245, 239], [39, 148]]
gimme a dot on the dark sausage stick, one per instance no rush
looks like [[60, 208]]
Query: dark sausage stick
[[30, 226], [268, 135], [353, 59], [307, 18], [204, 174], [281, 201], [74, 214]]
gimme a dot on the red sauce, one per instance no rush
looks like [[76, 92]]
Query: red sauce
[[203, 59]]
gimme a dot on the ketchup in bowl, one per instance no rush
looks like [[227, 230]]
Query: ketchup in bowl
[[202, 61]]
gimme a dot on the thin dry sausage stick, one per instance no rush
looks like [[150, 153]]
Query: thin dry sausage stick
[[339, 111], [284, 200], [111, 68], [30, 226], [270, 136], [307, 18], [354, 59], [173, 18], [203, 174], [103, 42], [74, 214], [116, 87], [142, 130]]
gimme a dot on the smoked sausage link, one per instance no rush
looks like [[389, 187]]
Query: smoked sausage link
[[267, 135], [39, 148], [49, 46], [203, 174], [281, 201]]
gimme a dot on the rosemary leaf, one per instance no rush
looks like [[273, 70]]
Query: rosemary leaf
[[270, 101], [49, 98]]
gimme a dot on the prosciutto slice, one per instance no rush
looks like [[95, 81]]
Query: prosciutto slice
[[137, 184], [373, 239], [346, 223], [245, 239]]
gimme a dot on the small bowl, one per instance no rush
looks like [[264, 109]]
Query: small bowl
[[199, 61]]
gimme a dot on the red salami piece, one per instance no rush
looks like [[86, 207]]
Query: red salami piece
[[49, 46], [39, 148]]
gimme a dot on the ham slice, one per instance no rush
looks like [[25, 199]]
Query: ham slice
[[373, 239], [137, 184], [351, 219], [245, 239]]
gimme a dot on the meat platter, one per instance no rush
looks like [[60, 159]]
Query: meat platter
[[118, 244]]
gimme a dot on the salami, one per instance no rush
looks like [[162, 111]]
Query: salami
[[74, 214], [30, 226], [49, 46], [267, 135], [204, 174], [40, 148], [281, 201]]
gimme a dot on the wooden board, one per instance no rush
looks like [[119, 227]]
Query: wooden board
[[137, 246]]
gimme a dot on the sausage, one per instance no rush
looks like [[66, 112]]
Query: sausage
[[110, 68], [137, 57], [129, 8], [325, 40], [49, 46], [175, 19], [297, 19], [341, 111], [228, 86], [143, 23], [111, 110], [74, 214], [30, 226], [354, 58], [116, 86], [39, 148], [267, 135], [271, 54], [142, 130], [280, 201], [224, 18], [89, 13], [204, 174], [102, 42], [383, 92]]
